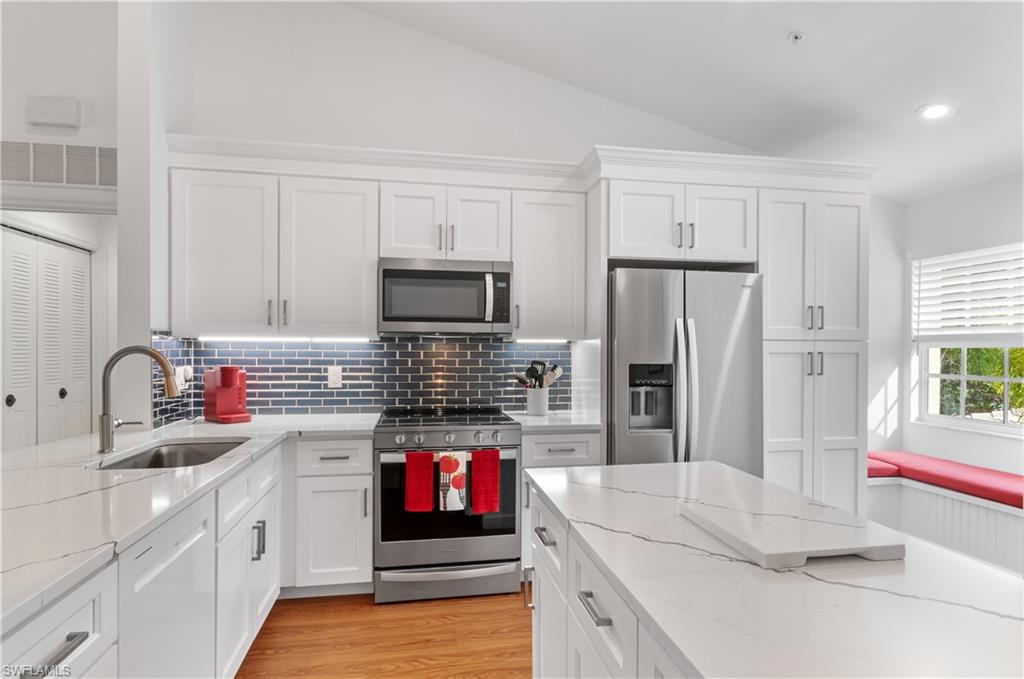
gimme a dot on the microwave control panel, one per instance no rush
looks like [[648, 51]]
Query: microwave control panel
[[502, 297]]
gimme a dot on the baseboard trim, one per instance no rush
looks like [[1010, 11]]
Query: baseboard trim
[[326, 590]]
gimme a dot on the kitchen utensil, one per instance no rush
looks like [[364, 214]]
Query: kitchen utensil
[[533, 376], [552, 375], [521, 379]]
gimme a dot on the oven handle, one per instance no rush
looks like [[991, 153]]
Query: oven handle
[[447, 574], [488, 298], [506, 454]]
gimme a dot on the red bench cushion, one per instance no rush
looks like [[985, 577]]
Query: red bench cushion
[[879, 468], [991, 484]]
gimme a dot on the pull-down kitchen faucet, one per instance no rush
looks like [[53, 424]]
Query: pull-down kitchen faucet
[[108, 423]]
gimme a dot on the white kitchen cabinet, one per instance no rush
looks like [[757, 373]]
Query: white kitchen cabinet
[[334, 530], [654, 663], [412, 220], [722, 223], [166, 598], [549, 264], [105, 667], [813, 254], [583, 661], [815, 421], [479, 224], [224, 253], [265, 567], [328, 257], [646, 220], [526, 526], [549, 626]]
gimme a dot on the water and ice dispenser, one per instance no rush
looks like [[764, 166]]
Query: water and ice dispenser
[[650, 395]]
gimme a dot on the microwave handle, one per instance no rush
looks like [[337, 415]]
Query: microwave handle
[[488, 298]]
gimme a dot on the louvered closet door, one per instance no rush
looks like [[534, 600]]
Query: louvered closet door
[[19, 332], [77, 342]]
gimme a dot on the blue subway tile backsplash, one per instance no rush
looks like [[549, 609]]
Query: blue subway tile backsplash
[[289, 377]]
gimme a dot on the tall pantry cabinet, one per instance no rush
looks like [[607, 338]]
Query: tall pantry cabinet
[[813, 250]]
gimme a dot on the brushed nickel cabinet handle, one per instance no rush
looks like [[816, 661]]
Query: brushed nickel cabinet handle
[[71, 642], [810, 363], [542, 533], [270, 317], [451, 236], [821, 317], [528, 585], [328, 458], [821, 363], [587, 599], [366, 509], [679, 226], [810, 317], [256, 556], [561, 450], [284, 311], [693, 235], [440, 236], [518, 317]]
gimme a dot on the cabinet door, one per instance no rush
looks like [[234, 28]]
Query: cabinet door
[[788, 414], [786, 259], [234, 613], [583, 661], [654, 663], [412, 221], [646, 220], [223, 253], [20, 301], [479, 224], [840, 424], [105, 667], [526, 527], [265, 568], [549, 621], [722, 223], [334, 535], [549, 265], [841, 268], [328, 244]]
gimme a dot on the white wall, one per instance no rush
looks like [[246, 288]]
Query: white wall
[[886, 325], [979, 216], [331, 74], [60, 49]]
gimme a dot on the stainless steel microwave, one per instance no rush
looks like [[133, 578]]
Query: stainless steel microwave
[[425, 296]]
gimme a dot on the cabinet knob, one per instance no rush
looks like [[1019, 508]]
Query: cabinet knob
[[63, 393], [10, 400]]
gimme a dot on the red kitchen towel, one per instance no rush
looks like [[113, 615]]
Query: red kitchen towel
[[419, 482], [485, 479]]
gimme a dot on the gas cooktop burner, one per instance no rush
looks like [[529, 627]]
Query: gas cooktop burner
[[443, 416]]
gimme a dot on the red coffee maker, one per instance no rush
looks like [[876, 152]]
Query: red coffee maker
[[224, 395]]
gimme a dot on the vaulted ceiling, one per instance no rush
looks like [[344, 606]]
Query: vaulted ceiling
[[848, 91]]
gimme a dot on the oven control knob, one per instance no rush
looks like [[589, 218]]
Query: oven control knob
[[418, 439], [449, 438], [399, 439], [479, 437], [496, 436]]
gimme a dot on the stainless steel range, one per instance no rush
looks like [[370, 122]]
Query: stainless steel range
[[444, 552]]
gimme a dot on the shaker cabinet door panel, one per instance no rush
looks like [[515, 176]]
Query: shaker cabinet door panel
[[789, 414], [412, 220], [265, 567], [328, 244], [786, 259], [549, 621], [334, 535], [840, 424], [841, 263], [479, 224], [721, 223], [223, 253], [646, 220]]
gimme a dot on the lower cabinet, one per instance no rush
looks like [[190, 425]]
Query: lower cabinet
[[334, 530], [549, 612], [653, 663], [105, 667], [583, 658], [248, 577]]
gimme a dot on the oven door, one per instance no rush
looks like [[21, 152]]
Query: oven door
[[425, 296], [404, 538]]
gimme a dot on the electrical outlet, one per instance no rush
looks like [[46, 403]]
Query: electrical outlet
[[334, 379]]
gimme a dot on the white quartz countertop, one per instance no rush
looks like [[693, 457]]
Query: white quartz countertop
[[558, 421], [935, 612], [61, 521]]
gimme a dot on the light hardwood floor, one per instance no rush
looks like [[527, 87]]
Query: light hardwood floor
[[350, 637]]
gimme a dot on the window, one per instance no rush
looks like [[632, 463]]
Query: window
[[968, 321]]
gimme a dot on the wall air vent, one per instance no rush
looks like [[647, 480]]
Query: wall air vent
[[58, 164]]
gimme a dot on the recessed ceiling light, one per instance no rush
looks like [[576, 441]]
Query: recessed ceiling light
[[935, 111]]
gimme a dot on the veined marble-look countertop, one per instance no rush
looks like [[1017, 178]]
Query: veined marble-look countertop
[[558, 421], [62, 522], [936, 612]]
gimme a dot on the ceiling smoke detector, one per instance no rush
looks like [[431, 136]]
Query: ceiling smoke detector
[[795, 37]]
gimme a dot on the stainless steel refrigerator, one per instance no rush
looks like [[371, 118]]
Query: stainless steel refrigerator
[[685, 367]]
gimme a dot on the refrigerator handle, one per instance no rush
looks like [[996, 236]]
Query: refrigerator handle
[[694, 385], [679, 431]]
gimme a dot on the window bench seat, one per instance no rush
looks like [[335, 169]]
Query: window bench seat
[[971, 509]]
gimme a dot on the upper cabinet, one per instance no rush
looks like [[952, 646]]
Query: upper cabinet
[[241, 266], [548, 265], [425, 221], [813, 254], [652, 220]]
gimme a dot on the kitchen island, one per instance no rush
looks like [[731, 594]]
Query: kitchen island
[[635, 588]]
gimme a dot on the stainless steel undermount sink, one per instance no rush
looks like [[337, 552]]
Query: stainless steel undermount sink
[[171, 453]]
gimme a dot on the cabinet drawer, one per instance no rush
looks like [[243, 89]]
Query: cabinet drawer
[[234, 499], [561, 450], [266, 472], [328, 458], [606, 619], [549, 540], [73, 633]]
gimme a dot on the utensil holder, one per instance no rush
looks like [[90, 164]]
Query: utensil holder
[[537, 401]]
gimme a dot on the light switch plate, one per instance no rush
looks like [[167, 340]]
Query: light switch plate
[[334, 379]]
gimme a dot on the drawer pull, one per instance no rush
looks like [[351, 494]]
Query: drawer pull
[[587, 599], [71, 642], [561, 450], [328, 458], [542, 533], [256, 555]]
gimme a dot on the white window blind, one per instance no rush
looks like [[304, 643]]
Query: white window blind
[[969, 294]]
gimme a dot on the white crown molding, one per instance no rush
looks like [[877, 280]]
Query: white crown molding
[[100, 200]]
